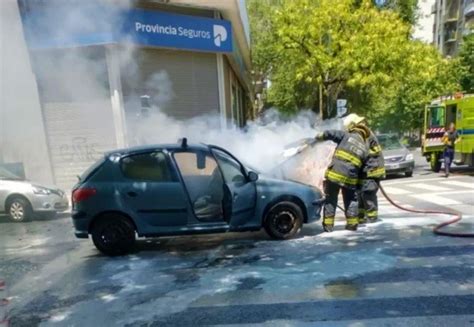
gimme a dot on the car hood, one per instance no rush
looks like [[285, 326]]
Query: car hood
[[267, 180], [28, 184]]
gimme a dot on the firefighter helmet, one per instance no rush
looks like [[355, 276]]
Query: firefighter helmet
[[352, 120]]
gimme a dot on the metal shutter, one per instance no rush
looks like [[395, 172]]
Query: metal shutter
[[77, 110], [181, 84], [78, 135]]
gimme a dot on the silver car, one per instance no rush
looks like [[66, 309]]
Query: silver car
[[21, 200], [398, 159]]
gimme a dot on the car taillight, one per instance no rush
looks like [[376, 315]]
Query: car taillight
[[82, 194]]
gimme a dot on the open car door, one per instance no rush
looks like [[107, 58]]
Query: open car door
[[240, 190]]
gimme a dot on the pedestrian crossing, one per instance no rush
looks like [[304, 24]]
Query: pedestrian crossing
[[459, 184], [428, 187], [440, 192]]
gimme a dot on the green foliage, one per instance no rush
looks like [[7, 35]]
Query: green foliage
[[466, 61], [406, 9], [350, 49]]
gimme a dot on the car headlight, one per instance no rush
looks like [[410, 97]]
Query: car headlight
[[41, 190], [409, 157]]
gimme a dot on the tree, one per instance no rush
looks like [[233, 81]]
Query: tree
[[349, 49], [425, 76], [466, 61], [335, 45]]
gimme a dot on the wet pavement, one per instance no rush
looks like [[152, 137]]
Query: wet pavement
[[395, 272], [386, 272]]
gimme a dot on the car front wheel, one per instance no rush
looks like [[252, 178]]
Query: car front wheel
[[283, 220], [19, 210], [113, 235]]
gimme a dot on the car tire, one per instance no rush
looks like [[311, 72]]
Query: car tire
[[19, 210], [409, 173], [435, 164], [113, 235], [283, 220]]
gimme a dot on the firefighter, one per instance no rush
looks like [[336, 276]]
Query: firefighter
[[344, 170], [373, 172]]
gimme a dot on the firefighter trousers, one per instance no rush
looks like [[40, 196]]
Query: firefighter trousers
[[368, 205], [349, 197]]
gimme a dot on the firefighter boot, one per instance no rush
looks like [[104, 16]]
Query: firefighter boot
[[362, 219], [328, 224], [352, 223], [372, 215]]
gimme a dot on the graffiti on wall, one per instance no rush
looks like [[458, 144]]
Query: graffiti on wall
[[79, 149]]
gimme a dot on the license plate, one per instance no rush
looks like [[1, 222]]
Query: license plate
[[394, 166]]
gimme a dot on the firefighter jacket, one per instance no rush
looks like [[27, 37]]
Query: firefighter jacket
[[374, 167], [349, 157]]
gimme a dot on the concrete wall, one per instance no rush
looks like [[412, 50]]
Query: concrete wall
[[22, 136]]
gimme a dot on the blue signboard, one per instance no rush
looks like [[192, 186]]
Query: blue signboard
[[177, 31], [61, 26], [64, 26]]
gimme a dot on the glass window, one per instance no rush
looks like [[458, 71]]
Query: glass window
[[7, 175], [436, 117], [204, 183], [231, 169], [147, 167], [389, 142]]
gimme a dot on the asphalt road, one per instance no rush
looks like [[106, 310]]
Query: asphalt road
[[392, 273]]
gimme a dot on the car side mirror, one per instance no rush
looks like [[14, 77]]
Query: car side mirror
[[253, 176]]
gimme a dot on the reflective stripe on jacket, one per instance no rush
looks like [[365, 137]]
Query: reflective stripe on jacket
[[351, 152], [374, 167]]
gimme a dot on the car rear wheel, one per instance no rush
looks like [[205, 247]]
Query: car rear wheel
[[435, 164], [19, 210], [113, 235], [283, 220]]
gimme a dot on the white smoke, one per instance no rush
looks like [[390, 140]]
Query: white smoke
[[76, 80], [259, 145]]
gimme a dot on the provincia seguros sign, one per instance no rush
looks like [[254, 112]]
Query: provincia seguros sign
[[177, 31], [51, 27]]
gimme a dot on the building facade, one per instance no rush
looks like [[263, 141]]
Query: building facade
[[452, 20], [94, 74]]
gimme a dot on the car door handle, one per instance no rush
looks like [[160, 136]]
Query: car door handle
[[132, 194]]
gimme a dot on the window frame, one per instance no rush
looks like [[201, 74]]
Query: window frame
[[243, 170], [172, 155]]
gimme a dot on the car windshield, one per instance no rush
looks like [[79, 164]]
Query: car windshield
[[390, 142], [6, 175]]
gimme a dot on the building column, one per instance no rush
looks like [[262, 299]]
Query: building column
[[116, 96], [221, 83], [221, 87]]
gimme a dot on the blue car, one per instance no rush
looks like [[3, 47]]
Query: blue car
[[180, 189]]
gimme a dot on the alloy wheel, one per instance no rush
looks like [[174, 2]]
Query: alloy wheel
[[17, 211]]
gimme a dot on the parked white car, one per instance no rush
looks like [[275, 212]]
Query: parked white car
[[22, 200]]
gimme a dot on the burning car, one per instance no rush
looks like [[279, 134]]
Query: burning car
[[179, 189]]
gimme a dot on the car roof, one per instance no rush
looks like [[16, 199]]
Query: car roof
[[154, 147]]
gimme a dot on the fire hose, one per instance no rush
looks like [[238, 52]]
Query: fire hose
[[308, 143], [437, 229]]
